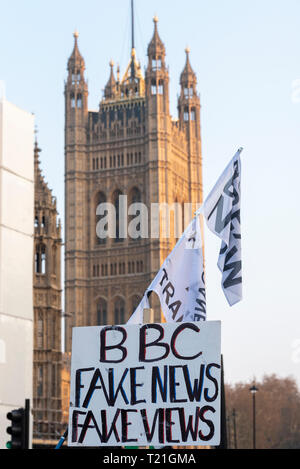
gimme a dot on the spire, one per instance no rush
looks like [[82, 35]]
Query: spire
[[112, 77], [37, 170], [188, 101], [76, 89], [76, 59], [132, 83], [39, 181], [36, 152], [157, 75], [156, 46], [187, 75], [110, 87]]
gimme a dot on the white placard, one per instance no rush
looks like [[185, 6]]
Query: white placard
[[146, 384]]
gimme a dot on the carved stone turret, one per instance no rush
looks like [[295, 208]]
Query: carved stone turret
[[47, 403]]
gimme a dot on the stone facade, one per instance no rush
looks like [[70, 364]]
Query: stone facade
[[131, 146], [47, 355]]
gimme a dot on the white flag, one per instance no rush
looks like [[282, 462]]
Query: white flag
[[222, 214], [180, 283]]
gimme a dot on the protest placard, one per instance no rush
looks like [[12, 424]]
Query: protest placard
[[146, 384]]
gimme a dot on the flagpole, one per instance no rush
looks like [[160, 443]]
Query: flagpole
[[199, 211], [132, 25]]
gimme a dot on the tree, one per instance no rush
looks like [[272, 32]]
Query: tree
[[277, 413]]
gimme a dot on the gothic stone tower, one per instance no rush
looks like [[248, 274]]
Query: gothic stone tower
[[47, 354], [131, 146]]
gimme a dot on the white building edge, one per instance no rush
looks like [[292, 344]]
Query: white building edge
[[16, 259]]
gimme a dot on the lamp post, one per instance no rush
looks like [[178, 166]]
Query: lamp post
[[228, 431], [234, 428], [253, 391]]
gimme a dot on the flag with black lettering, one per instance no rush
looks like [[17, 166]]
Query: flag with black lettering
[[180, 283], [222, 213]]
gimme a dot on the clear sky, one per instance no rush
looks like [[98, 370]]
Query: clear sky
[[247, 59]]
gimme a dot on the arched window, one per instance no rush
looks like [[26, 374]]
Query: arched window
[[193, 114], [75, 76], [40, 381], [119, 311], [116, 202], [186, 114], [101, 312], [135, 197], [54, 259], [40, 259], [79, 101], [40, 331], [72, 98], [188, 91], [100, 199], [160, 87], [139, 267], [135, 301], [153, 87], [156, 63], [43, 260], [178, 218]]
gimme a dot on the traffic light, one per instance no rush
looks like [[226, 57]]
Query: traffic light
[[19, 429]]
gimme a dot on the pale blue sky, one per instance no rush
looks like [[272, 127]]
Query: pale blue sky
[[246, 55]]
